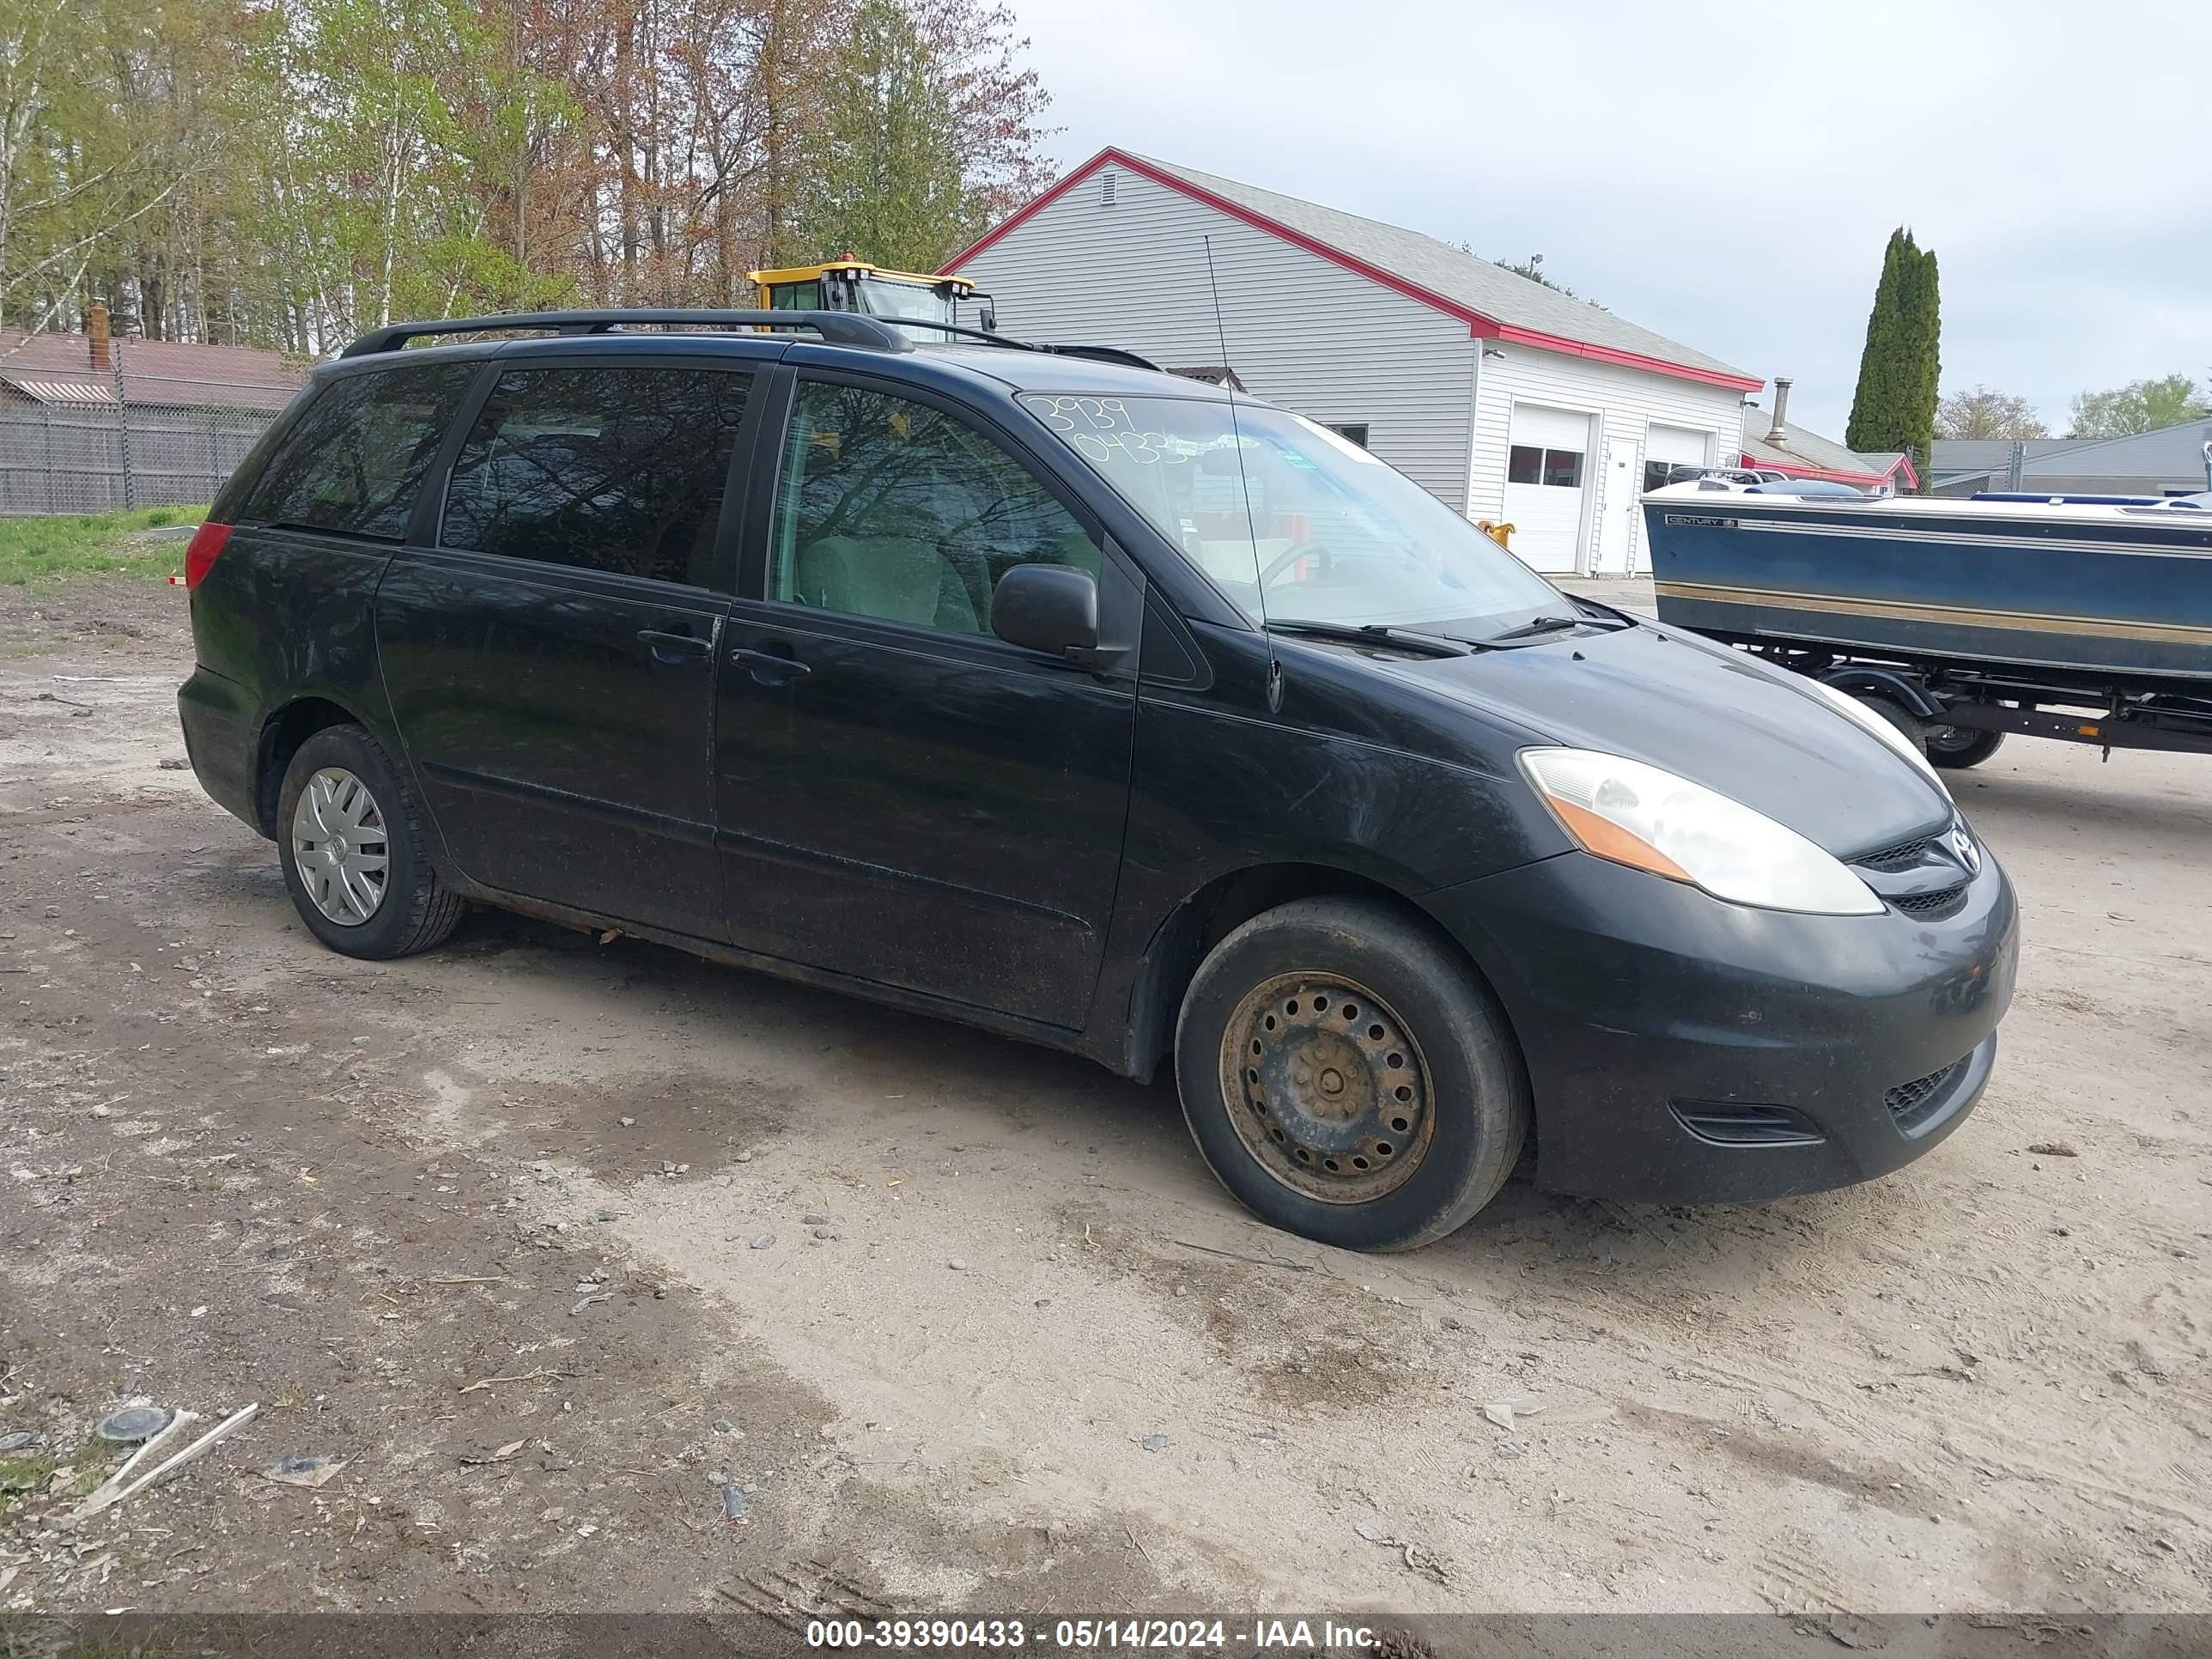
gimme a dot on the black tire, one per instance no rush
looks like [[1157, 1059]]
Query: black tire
[[415, 910], [1915, 729], [1476, 1108], [1961, 746]]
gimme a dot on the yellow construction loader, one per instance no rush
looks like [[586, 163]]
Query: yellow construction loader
[[855, 285]]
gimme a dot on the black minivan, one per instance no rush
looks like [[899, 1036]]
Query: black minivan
[[1101, 707]]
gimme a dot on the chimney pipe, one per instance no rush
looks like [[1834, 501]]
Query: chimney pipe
[[95, 328], [1780, 433]]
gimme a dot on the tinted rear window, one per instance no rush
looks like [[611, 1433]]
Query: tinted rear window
[[354, 459], [620, 469]]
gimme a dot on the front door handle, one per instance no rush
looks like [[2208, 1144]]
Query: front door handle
[[674, 648], [770, 668]]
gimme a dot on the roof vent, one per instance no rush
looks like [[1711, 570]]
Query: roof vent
[[1780, 433], [1106, 181]]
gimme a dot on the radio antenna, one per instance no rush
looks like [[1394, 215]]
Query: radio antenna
[[1244, 480]]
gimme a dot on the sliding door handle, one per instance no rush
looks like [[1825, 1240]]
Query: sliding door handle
[[769, 667]]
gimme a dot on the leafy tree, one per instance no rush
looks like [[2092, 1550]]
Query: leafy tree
[[97, 142], [927, 130], [286, 173], [1983, 412], [2138, 406], [1893, 407], [887, 176]]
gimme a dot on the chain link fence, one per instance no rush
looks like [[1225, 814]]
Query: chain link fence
[[83, 442]]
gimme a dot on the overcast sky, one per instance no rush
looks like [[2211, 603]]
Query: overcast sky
[[1724, 174]]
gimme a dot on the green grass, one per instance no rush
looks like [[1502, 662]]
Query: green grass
[[42, 551], [27, 1474]]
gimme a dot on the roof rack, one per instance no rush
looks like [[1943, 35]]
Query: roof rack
[[1100, 353], [837, 327]]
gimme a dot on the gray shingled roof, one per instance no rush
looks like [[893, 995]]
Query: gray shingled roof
[[2170, 452], [1982, 454], [1803, 448], [1464, 279]]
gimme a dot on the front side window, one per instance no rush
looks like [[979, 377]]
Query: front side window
[[896, 510], [1292, 521], [355, 460], [620, 469]]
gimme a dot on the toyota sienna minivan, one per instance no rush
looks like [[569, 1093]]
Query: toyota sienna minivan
[[1041, 689]]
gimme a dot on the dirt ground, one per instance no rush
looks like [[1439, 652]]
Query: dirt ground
[[550, 1238]]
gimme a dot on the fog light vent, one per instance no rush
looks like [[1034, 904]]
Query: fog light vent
[[1746, 1125]]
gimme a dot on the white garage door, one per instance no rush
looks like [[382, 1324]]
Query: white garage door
[[1670, 446], [1546, 473]]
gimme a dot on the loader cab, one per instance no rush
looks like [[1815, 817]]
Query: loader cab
[[854, 285]]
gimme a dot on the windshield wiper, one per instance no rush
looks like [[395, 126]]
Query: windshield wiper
[[1536, 625], [1609, 620], [1433, 645], [1598, 614]]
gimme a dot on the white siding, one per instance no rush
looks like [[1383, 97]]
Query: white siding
[[1628, 400], [1302, 332]]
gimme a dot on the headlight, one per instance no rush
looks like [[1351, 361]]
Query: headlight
[[1882, 729], [1648, 819]]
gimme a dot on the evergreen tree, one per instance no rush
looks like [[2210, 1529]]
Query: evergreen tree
[[1921, 337], [1874, 403], [887, 175], [1900, 370]]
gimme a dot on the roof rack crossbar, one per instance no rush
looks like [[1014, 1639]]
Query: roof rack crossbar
[[838, 327], [1103, 354]]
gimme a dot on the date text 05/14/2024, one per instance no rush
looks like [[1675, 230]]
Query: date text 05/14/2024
[[1257, 1636]]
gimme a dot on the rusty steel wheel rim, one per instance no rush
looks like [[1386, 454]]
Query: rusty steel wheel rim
[[1327, 1087]]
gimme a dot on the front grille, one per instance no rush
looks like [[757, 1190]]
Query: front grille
[[1921, 904], [1912, 1103], [1903, 856]]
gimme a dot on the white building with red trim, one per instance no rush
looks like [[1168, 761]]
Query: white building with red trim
[[1511, 401]]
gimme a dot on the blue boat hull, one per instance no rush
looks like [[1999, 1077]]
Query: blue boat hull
[[2102, 595]]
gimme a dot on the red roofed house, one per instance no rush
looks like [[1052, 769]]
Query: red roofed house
[[1782, 445], [1509, 400]]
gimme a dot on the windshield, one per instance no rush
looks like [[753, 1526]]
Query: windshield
[[1275, 507], [880, 298]]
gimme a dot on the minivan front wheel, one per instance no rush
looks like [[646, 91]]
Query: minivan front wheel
[[351, 838], [1348, 1077]]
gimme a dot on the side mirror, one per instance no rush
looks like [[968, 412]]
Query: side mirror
[[1047, 607], [989, 315]]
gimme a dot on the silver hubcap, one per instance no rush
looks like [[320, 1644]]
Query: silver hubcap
[[338, 847], [1327, 1087]]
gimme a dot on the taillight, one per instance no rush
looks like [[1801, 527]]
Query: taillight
[[200, 555]]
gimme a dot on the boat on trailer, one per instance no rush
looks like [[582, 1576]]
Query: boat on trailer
[[1961, 619]]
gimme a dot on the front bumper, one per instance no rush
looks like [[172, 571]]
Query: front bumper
[[1687, 1050]]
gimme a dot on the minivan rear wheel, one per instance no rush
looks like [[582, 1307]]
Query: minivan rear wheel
[[351, 838], [1348, 1077]]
